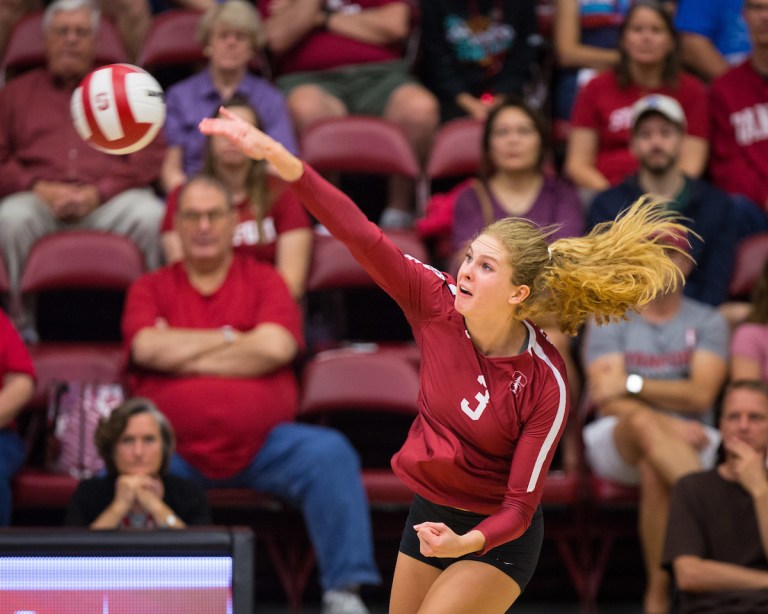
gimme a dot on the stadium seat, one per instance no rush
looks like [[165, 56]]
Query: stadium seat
[[359, 144], [344, 305], [26, 46], [751, 255], [35, 488], [456, 150], [86, 270]]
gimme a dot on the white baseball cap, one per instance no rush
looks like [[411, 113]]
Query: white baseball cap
[[658, 103]]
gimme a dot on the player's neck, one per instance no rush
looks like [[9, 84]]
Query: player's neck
[[498, 339]]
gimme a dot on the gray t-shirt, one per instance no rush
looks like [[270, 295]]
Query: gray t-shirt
[[662, 351]]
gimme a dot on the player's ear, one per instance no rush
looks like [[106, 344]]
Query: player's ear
[[520, 293]]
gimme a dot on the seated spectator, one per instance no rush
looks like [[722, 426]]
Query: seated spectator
[[713, 36], [135, 442], [131, 17], [341, 57], [657, 140], [739, 163], [654, 380], [272, 224], [50, 179], [716, 541], [582, 51], [16, 388], [749, 345], [213, 339], [598, 154], [514, 147], [230, 32], [476, 54]]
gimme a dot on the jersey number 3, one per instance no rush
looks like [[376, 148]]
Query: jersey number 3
[[482, 401]]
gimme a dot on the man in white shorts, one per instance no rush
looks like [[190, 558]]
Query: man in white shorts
[[654, 380]]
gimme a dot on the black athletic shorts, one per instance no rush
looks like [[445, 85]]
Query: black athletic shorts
[[516, 558]]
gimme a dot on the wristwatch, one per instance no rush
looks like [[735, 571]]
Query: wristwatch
[[634, 383], [229, 334], [170, 521]]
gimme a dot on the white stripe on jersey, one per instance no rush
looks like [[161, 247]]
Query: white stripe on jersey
[[558, 421]]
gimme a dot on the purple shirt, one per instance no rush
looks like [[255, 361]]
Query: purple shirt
[[557, 203], [194, 98]]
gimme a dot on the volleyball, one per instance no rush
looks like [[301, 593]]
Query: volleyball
[[118, 109]]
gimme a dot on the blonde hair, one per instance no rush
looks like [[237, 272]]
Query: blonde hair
[[618, 267], [236, 14]]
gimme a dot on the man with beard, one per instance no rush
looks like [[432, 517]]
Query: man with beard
[[658, 128]]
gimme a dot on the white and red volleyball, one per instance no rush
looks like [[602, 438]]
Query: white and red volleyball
[[118, 109]]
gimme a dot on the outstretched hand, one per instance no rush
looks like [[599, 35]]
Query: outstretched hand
[[247, 137], [253, 143]]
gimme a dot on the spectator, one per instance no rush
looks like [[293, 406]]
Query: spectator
[[272, 224], [657, 137], [598, 154], [713, 36], [338, 57], [135, 442], [739, 100], [16, 388], [514, 146], [131, 17], [50, 179], [476, 54], [230, 33], [749, 345], [654, 380], [586, 39], [213, 339], [716, 540]]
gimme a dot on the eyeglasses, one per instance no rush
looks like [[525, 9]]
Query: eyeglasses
[[78, 31], [213, 216]]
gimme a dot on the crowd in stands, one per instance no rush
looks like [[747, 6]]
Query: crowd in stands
[[662, 98]]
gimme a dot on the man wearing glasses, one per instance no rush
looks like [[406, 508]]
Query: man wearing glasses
[[50, 179], [213, 339]]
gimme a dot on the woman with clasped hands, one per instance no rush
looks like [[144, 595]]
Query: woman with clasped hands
[[136, 442]]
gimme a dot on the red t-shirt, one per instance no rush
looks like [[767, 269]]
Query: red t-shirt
[[286, 213], [487, 428], [220, 422], [322, 50], [14, 357], [606, 108], [739, 162]]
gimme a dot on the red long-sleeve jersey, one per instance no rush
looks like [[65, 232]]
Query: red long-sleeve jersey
[[487, 427]]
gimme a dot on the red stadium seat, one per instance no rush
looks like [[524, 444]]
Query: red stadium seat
[[26, 46], [359, 144], [751, 256], [456, 149], [82, 263], [34, 487]]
